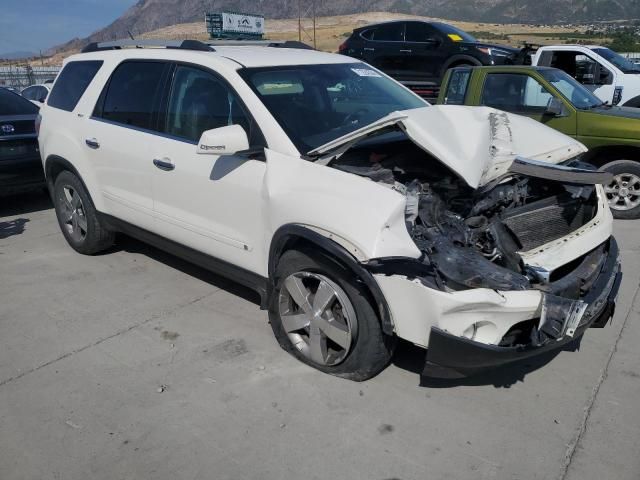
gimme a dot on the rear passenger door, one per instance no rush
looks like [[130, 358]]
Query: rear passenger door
[[424, 52], [211, 203], [119, 135], [385, 48]]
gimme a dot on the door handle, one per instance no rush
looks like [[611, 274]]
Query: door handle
[[164, 164], [367, 49], [405, 51], [92, 143]]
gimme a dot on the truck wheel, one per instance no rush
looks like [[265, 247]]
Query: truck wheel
[[322, 315], [77, 216], [624, 192]]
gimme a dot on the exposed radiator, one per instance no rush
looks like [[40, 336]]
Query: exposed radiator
[[546, 220]]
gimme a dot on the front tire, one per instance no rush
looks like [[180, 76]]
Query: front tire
[[77, 216], [322, 315], [623, 193]]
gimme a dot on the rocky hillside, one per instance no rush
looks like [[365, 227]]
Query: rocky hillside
[[148, 15]]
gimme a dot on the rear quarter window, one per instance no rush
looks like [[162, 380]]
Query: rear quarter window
[[72, 83]]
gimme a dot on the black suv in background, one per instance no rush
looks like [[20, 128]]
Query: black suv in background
[[20, 164], [418, 53]]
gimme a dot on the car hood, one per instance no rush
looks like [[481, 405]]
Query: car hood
[[619, 112], [480, 144]]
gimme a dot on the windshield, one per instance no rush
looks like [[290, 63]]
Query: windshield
[[451, 32], [627, 66], [315, 104], [577, 94], [13, 104]]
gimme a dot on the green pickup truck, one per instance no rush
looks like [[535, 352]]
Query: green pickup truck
[[552, 97]]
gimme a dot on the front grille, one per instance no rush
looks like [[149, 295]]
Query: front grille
[[549, 219]]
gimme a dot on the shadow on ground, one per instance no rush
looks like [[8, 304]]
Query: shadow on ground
[[12, 227], [132, 245], [24, 203], [412, 358]]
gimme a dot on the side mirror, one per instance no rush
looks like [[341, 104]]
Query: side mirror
[[604, 76], [555, 108], [223, 141]]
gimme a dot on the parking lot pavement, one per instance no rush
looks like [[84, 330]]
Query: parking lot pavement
[[134, 364]]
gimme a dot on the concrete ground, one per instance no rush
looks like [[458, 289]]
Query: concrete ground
[[136, 365]]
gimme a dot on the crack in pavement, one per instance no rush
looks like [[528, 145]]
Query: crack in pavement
[[573, 445], [155, 316]]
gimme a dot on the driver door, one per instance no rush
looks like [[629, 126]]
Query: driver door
[[525, 95], [208, 202]]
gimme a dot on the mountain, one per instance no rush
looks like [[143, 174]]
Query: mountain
[[16, 55], [148, 15]]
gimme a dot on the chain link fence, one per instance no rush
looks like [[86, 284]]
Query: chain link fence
[[21, 76]]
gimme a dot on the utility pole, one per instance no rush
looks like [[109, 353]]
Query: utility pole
[[299, 22], [314, 22], [308, 10]]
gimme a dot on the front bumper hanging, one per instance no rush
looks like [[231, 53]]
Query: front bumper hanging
[[562, 321]]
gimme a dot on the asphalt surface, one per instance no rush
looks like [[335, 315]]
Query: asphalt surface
[[136, 365]]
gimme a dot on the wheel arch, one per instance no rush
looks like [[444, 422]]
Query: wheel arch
[[632, 102], [294, 236], [600, 156], [54, 165]]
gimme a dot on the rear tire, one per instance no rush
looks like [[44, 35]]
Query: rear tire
[[77, 216], [623, 193], [347, 334]]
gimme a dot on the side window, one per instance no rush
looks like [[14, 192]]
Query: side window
[[587, 70], [29, 93], [132, 95], [581, 67], [367, 34], [391, 32], [457, 87], [42, 93], [420, 32], [72, 83], [200, 101], [517, 93]]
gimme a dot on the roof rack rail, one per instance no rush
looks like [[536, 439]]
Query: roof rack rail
[[207, 46], [259, 43], [120, 44]]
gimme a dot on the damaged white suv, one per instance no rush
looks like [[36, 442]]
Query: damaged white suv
[[359, 212]]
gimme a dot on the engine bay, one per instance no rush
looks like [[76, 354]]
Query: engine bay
[[471, 237]]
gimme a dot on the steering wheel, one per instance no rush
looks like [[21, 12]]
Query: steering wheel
[[354, 117]]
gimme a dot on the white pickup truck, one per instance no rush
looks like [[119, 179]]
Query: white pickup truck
[[611, 77]]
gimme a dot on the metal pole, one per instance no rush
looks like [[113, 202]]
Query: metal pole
[[299, 23], [314, 23]]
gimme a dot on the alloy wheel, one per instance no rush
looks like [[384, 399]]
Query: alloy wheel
[[623, 192], [72, 212], [318, 317]]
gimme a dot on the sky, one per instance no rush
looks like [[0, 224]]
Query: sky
[[33, 25]]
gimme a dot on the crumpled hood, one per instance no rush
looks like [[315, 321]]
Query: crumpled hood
[[478, 143]]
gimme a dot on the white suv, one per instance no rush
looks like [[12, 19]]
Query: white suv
[[360, 213]]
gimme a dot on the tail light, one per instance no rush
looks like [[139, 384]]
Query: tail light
[[343, 47], [38, 122]]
